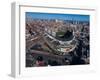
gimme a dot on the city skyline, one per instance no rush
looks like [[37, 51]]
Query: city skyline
[[57, 39], [37, 15]]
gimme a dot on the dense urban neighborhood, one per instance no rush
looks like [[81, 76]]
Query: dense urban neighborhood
[[57, 42]]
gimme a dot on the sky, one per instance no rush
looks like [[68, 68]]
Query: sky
[[37, 15]]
